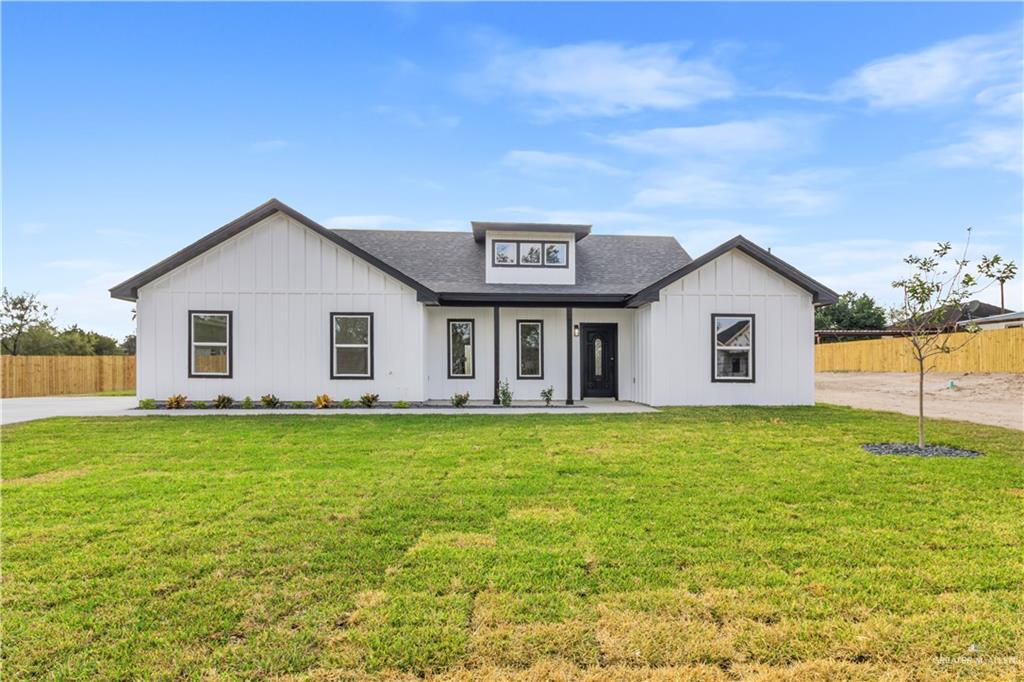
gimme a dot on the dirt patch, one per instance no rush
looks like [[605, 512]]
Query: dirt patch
[[995, 399]]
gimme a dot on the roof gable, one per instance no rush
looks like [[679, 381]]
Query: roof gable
[[820, 293], [128, 290]]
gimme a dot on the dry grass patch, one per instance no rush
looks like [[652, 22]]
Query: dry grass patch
[[524, 645], [638, 639], [545, 514], [46, 477]]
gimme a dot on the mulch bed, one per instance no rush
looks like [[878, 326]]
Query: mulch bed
[[909, 450]]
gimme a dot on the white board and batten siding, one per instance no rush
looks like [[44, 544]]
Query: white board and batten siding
[[281, 280], [679, 338]]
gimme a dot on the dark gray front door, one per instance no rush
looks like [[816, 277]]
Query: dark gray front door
[[598, 348]]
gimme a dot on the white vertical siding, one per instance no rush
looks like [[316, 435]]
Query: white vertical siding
[[281, 281], [678, 332]]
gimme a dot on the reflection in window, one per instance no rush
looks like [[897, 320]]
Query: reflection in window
[[531, 342], [504, 253], [210, 347], [353, 346], [460, 349], [598, 350], [556, 254], [734, 338], [529, 253]]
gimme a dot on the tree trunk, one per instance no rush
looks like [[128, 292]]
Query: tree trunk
[[920, 403], [1002, 298]]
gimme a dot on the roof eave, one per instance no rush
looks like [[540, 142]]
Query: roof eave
[[128, 290], [820, 294]]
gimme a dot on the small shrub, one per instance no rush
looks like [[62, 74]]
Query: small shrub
[[368, 399], [504, 394], [547, 394], [347, 403], [247, 403], [460, 399], [223, 402], [270, 400], [298, 404], [198, 404], [147, 404], [177, 402], [322, 401], [401, 404]]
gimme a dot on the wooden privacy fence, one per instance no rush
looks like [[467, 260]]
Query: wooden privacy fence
[[34, 375], [996, 350]]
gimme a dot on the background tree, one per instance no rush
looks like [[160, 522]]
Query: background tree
[[18, 314], [934, 289], [851, 311], [128, 345], [1001, 271]]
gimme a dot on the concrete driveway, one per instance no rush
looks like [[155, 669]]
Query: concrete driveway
[[14, 410]]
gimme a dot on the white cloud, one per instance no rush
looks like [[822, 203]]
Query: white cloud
[[87, 303], [798, 193], [871, 265], [983, 147], [1005, 100], [33, 228], [88, 264], [603, 221], [946, 72], [603, 78], [418, 119], [533, 161], [719, 139]]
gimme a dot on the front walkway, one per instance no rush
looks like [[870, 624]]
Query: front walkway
[[13, 410]]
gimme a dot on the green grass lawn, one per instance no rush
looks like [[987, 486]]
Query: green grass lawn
[[704, 543]]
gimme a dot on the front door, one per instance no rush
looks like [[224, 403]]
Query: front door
[[598, 347]]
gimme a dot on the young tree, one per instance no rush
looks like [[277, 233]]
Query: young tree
[[935, 288], [18, 314], [851, 311], [999, 270]]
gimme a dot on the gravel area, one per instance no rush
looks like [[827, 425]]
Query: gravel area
[[996, 399], [914, 451]]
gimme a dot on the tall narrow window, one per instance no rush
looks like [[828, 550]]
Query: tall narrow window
[[530, 336], [351, 345], [209, 341], [732, 348], [460, 349]]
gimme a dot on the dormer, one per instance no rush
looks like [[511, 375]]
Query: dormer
[[530, 253]]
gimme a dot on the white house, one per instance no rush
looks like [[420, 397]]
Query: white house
[[275, 303]]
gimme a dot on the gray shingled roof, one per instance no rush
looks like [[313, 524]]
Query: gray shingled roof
[[454, 262]]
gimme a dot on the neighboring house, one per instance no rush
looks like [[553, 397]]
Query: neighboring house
[[275, 303], [1004, 321], [949, 318]]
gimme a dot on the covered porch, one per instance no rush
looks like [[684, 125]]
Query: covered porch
[[581, 353]]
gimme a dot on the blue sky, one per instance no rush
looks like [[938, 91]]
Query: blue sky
[[843, 136]]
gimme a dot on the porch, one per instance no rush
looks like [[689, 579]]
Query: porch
[[578, 353]]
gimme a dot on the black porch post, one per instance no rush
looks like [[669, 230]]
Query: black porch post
[[497, 354], [568, 355]]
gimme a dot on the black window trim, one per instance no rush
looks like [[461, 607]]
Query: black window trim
[[472, 347], [543, 253], [519, 344], [332, 348], [231, 343], [714, 350]]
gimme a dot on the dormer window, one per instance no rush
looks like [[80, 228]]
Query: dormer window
[[530, 254]]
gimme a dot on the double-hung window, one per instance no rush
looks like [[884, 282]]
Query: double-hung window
[[530, 349], [732, 349], [461, 363], [209, 343], [351, 345]]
